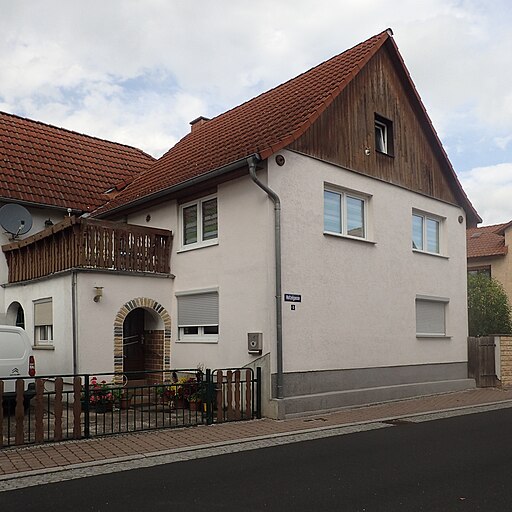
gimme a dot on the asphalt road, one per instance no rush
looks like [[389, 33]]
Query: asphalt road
[[456, 464]]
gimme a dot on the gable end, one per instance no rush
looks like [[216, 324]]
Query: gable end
[[345, 133]]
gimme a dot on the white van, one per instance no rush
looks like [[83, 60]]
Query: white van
[[16, 360]]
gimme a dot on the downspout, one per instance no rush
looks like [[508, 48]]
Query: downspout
[[252, 161], [74, 294]]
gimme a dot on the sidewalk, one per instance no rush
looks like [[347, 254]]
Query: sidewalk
[[43, 459]]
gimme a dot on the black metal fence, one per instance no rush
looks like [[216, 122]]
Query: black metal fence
[[63, 407]]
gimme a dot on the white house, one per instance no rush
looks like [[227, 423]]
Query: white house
[[318, 230]]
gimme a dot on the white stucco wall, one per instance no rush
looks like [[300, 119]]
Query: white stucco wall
[[57, 356], [95, 320], [358, 298], [240, 266]]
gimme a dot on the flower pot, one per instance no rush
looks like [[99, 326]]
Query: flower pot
[[196, 406], [180, 403], [125, 403], [103, 407]]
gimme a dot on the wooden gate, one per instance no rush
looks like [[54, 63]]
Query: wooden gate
[[481, 361]]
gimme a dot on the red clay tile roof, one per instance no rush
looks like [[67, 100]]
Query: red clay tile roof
[[486, 241], [262, 125], [265, 125], [46, 165]]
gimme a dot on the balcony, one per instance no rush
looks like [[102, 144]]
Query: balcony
[[89, 244]]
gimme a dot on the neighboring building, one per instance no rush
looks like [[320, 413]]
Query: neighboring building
[[331, 192], [487, 251], [53, 173]]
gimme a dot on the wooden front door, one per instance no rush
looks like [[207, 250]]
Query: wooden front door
[[133, 344]]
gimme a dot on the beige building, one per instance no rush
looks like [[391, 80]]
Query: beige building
[[487, 250]]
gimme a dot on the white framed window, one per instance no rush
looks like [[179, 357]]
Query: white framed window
[[198, 316], [426, 233], [43, 322], [199, 223], [431, 316], [44, 334], [345, 213], [383, 135]]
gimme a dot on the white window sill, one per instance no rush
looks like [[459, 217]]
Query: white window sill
[[43, 347], [198, 245], [197, 339], [417, 251], [348, 237], [432, 336]]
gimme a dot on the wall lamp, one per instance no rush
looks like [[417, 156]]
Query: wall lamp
[[98, 293]]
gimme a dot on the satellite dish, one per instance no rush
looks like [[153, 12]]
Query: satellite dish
[[15, 219]]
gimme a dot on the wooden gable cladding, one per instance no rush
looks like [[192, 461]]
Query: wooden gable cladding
[[346, 129]]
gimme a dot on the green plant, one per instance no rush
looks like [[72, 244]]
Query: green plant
[[196, 397], [489, 309], [187, 386], [167, 392], [121, 394]]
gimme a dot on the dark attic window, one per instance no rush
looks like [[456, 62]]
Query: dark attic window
[[383, 135]]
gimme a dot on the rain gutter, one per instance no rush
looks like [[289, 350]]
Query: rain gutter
[[252, 161], [74, 295], [237, 164]]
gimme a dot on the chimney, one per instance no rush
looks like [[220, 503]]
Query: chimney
[[196, 123]]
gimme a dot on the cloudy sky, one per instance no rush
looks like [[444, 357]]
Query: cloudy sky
[[138, 71]]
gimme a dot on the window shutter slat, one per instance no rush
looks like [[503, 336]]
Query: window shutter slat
[[198, 309], [430, 317], [43, 313]]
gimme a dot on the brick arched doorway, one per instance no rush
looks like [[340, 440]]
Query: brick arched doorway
[[153, 327]]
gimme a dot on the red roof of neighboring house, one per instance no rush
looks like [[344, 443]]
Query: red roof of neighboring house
[[46, 165], [487, 241], [262, 125]]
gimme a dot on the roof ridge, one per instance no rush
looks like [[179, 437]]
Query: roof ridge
[[490, 226], [74, 132]]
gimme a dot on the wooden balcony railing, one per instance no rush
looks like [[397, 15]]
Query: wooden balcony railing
[[89, 243]]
